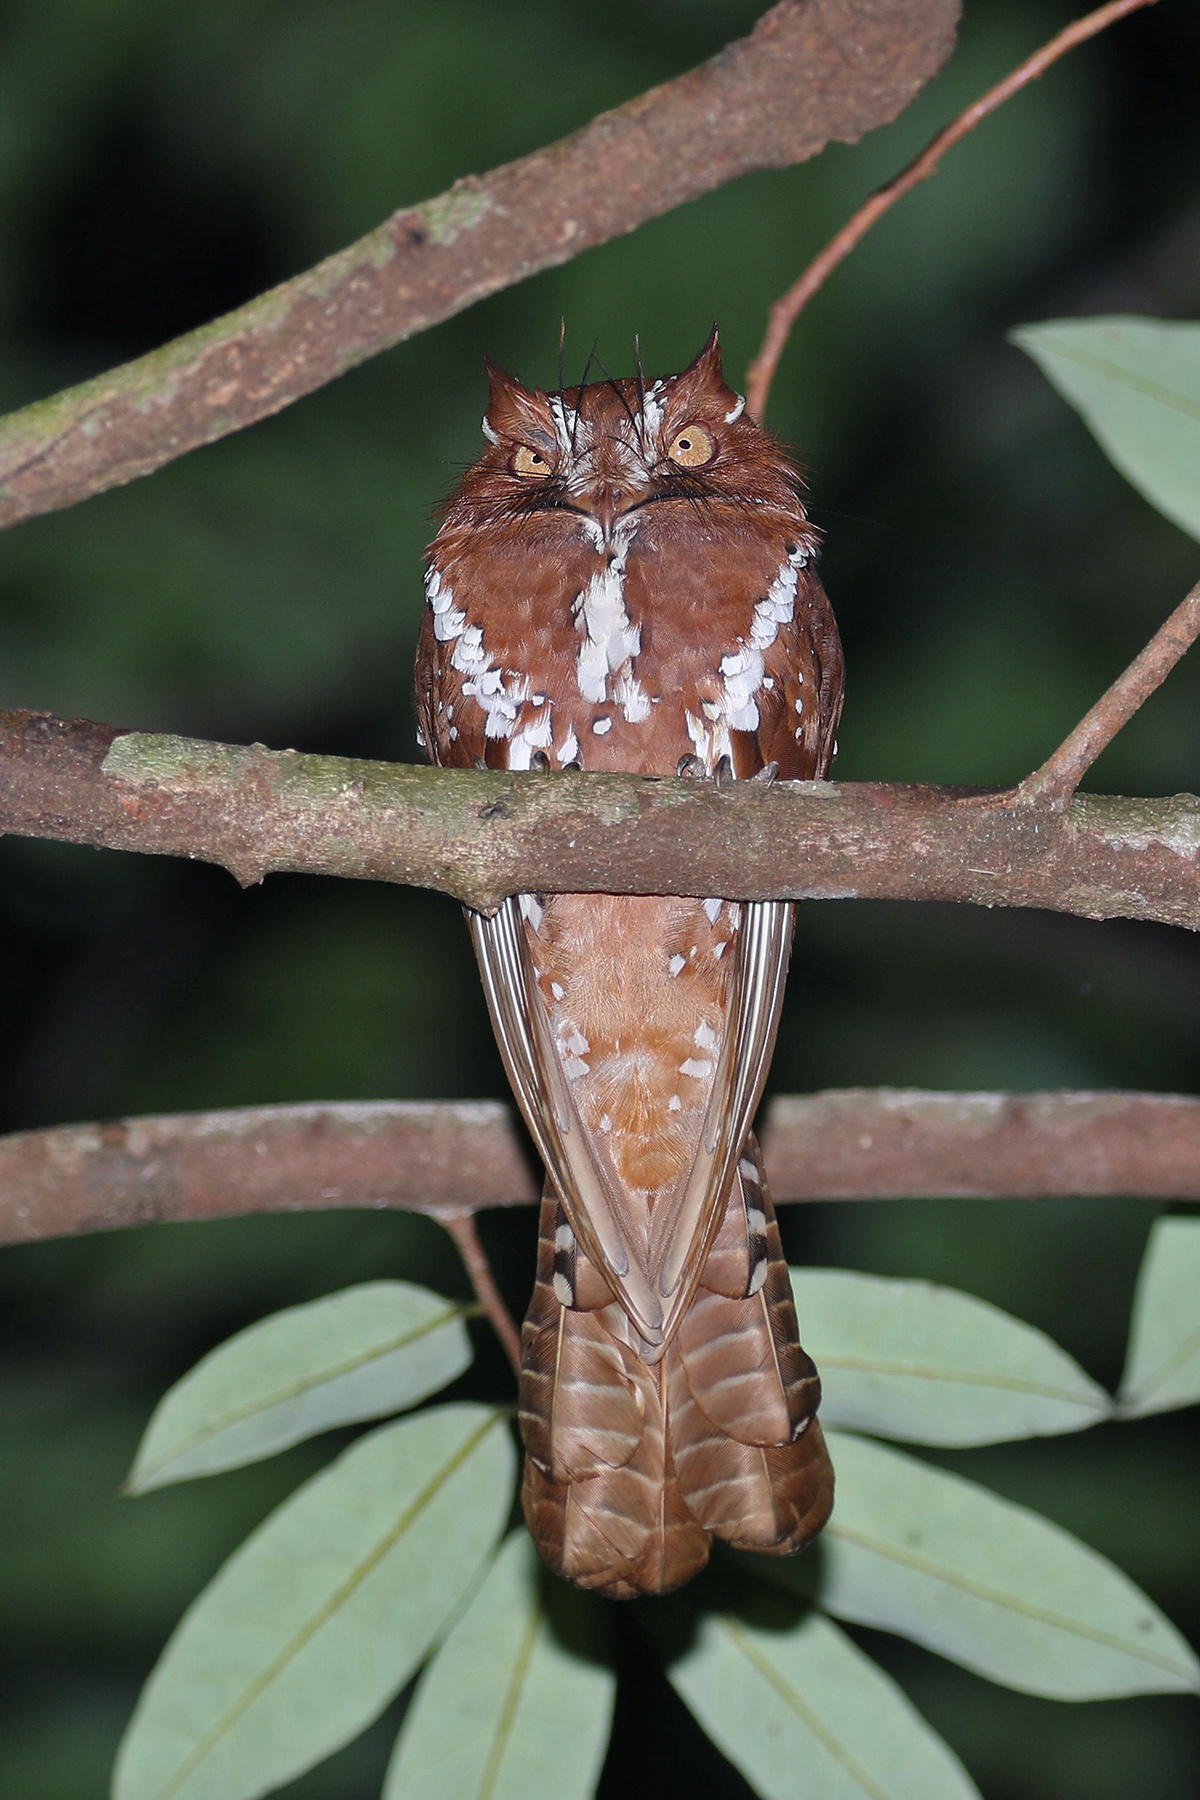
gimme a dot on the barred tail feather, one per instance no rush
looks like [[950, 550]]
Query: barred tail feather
[[632, 1468], [741, 1349], [750, 1454], [771, 1498], [624, 1530]]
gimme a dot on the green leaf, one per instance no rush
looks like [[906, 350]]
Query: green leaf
[[800, 1710], [988, 1584], [909, 1360], [518, 1701], [1162, 1369], [1137, 384], [323, 1613], [367, 1351]]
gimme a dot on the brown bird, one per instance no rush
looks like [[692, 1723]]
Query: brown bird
[[625, 581]]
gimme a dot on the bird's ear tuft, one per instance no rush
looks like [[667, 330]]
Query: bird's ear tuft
[[513, 411], [704, 379]]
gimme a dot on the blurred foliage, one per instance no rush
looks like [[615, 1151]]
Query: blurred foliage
[[991, 573]]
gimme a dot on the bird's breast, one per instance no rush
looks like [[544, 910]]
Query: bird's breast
[[626, 652]]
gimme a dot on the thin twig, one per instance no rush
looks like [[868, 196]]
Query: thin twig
[[1061, 773], [787, 309], [462, 1229]]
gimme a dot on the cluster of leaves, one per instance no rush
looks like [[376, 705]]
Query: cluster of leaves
[[334, 1603]]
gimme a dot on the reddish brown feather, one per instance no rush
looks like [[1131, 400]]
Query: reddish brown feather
[[581, 1409], [623, 615]]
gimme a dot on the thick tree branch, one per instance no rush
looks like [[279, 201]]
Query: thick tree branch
[[787, 309], [812, 71], [458, 1157], [480, 836]]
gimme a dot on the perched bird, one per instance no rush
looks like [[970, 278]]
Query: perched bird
[[625, 580]]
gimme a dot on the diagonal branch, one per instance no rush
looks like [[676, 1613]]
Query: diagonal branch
[[481, 835], [1060, 774], [811, 71], [787, 309], [453, 1158], [465, 1232]]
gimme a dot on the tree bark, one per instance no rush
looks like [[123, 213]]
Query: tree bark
[[812, 71], [457, 1157], [481, 835]]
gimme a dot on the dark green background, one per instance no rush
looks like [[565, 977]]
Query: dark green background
[[991, 573]]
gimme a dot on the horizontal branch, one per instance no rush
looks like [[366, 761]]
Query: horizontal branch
[[459, 1157], [812, 71], [481, 835]]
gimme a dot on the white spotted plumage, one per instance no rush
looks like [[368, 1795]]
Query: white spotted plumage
[[621, 581]]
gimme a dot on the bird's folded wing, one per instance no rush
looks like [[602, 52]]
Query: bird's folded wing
[[655, 1293], [531, 1061]]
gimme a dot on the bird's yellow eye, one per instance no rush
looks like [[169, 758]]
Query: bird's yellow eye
[[530, 463], [693, 447]]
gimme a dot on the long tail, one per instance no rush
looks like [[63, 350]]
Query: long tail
[[632, 1468]]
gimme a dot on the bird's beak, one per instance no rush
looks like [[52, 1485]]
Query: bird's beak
[[606, 502]]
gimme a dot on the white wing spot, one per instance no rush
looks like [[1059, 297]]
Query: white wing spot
[[675, 964], [562, 1289], [713, 908], [601, 726], [697, 1067], [705, 1036], [674, 1104]]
